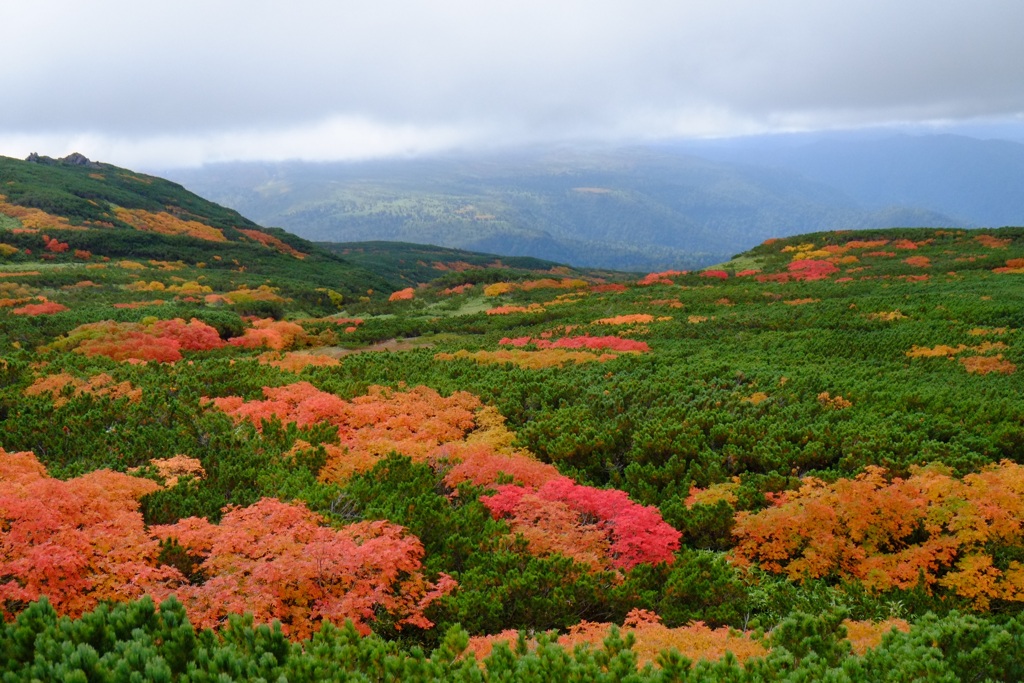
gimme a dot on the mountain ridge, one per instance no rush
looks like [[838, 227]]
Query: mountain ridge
[[684, 205]]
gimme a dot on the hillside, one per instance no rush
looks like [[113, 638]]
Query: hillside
[[787, 456], [102, 213], [641, 208], [419, 264], [98, 212]]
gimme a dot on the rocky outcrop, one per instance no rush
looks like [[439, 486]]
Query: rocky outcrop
[[73, 159]]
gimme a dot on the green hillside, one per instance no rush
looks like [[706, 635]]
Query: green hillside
[[562, 475], [102, 212], [417, 264]]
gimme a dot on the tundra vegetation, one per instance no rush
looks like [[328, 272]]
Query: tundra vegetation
[[227, 454]]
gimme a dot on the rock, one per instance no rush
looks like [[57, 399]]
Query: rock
[[37, 159], [76, 159], [73, 159]]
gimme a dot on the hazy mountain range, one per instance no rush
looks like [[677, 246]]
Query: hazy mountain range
[[637, 208]]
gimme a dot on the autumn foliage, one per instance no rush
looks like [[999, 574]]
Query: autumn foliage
[[715, 274], [78, 542], [272, 242], [810, 269], [986, 356], [546, 358], [168, 224], [661, 278], [406, 294], [44, 308], [63, 386], [174, 468], [630, 319], [278, 335], [864, 635], [154, 340], [414, 422], [506, 310], [483, 465], [297, 361], [33, 219], [54, 245], [276, 560], [993, 242], [83, 541], [581, 342], [599, 526], [930, 527], [695, 641]]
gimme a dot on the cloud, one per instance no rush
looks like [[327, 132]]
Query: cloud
[[259, 79], [338, 138]]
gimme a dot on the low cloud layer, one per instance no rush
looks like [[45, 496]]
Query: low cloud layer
[[187, 82]]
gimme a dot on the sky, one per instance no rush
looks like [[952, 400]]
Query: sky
[[165, 84]]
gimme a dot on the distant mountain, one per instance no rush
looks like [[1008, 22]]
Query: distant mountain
[[640, 208], [976, 182]]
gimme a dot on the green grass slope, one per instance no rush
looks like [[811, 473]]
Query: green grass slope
[[102, 212]]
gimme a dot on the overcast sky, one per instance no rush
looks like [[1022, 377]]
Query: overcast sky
[[164, 83]]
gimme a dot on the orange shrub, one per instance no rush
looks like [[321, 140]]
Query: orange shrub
[[272, 334], [601, 528], [173, 468], [295, 361], [273, 242], [414, 422], [34, 219], [277, 561], [498, 288], [886, 534], [168, 224], [833, 402], [481, 465], [140, 304], [864, 635], [506, 310], [715, 274], [725, 491], [57, 386], [54, 245], [695, 641], [993, 242], [79, 542], [662, 278], [44, 308], [631, 319], [546, 358], [157, 340], [982, 365], [866, 244], [458, 289], [402, 294]]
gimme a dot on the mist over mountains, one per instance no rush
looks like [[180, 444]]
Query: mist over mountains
[[639, 208]]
